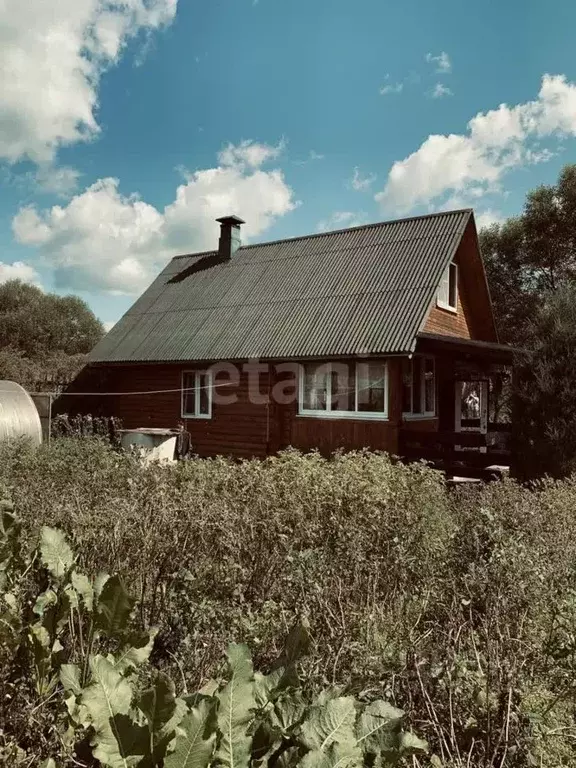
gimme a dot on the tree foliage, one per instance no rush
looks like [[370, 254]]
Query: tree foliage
[[531, 255], [43, 337], [544, 405]]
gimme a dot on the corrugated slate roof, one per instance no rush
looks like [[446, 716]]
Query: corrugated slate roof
[[359, 291]]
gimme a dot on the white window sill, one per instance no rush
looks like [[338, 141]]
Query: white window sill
[[419, 416], [343, 415], [194, 416], [447, 307]]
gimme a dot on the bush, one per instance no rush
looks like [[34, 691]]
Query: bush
[[456, 606], [76, 661]]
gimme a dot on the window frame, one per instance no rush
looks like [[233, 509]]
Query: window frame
[[452, 268], [328, 413], [197, 387], [410, 415]]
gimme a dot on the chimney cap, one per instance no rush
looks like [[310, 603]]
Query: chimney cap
[[235, 221]]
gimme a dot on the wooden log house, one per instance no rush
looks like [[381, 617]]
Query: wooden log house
[[380, 336]]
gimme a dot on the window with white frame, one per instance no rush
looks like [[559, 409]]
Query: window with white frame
[[344, 390], [448, 290], [196, 395], [418, 386]]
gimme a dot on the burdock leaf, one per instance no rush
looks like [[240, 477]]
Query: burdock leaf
[[236, 709], [55, 552], [331, 723], [195, 744], [114, 607]]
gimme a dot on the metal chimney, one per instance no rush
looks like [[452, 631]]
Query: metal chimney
[[230, 239]]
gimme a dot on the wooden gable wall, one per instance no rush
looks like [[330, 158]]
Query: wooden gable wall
[[474, 318]]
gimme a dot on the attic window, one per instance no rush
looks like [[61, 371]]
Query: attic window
[[448, 291], [196, 395]]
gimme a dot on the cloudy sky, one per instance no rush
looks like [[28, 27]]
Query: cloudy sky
[[128, 126]]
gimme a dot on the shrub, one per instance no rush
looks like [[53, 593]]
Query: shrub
[[74, 659], [455, 606]]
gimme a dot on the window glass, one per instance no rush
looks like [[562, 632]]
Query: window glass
[[196, 394], [453, 285], [343, 388], [203, 394], [316, 382], [448, 289], [371, 383], [417, 385], [189, 398], [406, 385], [429, 385]]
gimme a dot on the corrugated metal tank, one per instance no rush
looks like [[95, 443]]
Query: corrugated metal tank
[[18, 414]]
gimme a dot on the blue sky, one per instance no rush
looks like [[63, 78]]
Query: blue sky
[[127, 129]]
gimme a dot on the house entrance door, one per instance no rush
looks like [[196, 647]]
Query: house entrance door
[[471, 402]]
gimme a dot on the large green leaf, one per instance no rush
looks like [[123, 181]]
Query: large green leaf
[[288, 758], [117, 740], [378, 727], [10, 560], [55, 552], [137, 649], [99, 583], [335, 756], [70, 678], [412, 745], [289, 711], [163, 711], [195, 744], [83, 587], [114, 607], [332, 723], [236, 708], [44, 601]]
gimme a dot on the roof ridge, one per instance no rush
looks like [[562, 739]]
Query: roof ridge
[[333, 232]]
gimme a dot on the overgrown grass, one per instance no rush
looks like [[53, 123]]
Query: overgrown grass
[[457, 606]]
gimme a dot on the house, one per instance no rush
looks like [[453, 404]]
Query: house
[[379, 336]]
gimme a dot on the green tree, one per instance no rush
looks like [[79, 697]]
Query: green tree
[[544, 399], [531, 255], [43, 337]]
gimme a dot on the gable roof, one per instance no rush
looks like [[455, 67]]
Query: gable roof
[[360, 291]]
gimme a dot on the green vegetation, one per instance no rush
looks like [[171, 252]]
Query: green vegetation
[[532, 256], [44, 338], [76, 656], [456, 607], [531, 268]]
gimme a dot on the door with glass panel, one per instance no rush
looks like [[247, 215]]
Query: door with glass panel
[[471, 410]]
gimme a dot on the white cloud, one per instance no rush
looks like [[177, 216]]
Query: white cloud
[[103, 240], [441, 62], [249, 154], [108, 325], [495, 143], [342, 220], [440, 90], [18, 270], [52, 55], [312, 157], [385, 90], [360, 183], [487, 218], [61, 181]]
